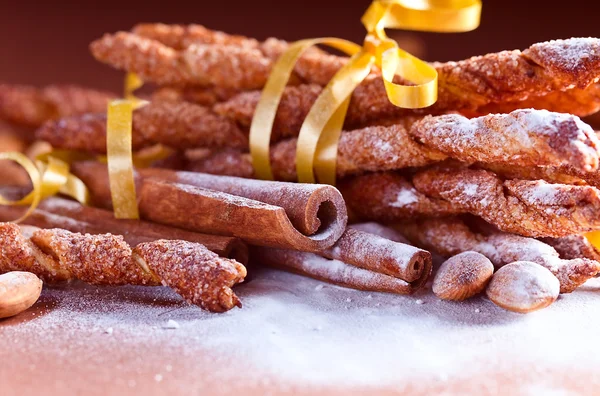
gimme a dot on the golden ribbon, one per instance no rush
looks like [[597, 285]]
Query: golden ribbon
[[119, 155], [48, 177], [317, 142]]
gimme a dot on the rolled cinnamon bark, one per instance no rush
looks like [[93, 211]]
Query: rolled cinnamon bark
[[308, 206], [305, 217], [374, 253], [69, 215], [332, 271]]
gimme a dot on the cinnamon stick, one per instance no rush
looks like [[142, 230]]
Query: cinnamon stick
[[377, 254], [305, 217], [332, 271]]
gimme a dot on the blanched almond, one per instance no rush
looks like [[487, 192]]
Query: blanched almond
[[18, 291], [523, 287]]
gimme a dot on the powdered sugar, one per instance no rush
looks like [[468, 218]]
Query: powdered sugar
[[570, 54], [385, 343], [543, 193], [404, 198]]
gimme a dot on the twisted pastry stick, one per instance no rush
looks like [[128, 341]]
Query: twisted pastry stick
[[508, 76], [529, 208], [521, 138], [579, 101], [562, 174], [203, 96], [198, 275], [176, 124], [198, 64], [183, 36], [450, 236], [573, 247], [30, 106]]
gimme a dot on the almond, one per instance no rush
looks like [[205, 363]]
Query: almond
[[18, 291], [462, 276], [523, 287]]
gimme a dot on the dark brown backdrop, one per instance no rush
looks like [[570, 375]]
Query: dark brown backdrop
[[44, 42]]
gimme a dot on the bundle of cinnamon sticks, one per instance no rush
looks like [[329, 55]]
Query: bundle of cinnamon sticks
[[501, 164]]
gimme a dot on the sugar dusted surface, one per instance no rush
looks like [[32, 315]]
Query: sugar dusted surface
[[296, 335]]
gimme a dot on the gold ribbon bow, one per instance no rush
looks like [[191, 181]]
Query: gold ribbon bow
[[318, 139]]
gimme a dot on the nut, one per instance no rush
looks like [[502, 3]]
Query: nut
[[523, 287], [18, 291], [462, 276]]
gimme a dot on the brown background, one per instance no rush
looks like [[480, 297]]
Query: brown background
[[45, 42]]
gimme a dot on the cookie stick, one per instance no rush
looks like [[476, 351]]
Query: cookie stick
[[199, 95], [175, 124], [198, 64], [524, 139], [30, 106], [450, 236], [529, 208], [198, 275], [180, 37], [578, 101], [464, 86], [573, 246], [542, 68]]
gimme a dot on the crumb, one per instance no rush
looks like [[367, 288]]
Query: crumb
[[318, 287], [108, 331], [419, 302]]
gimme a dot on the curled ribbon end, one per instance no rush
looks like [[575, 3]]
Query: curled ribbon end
[[35, 196]]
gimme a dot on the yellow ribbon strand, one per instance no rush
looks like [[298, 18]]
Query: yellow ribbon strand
[[48, 178], [264, 115], [132, 83], [35, 196], [324, 122], [120, 158], [317, 141]]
